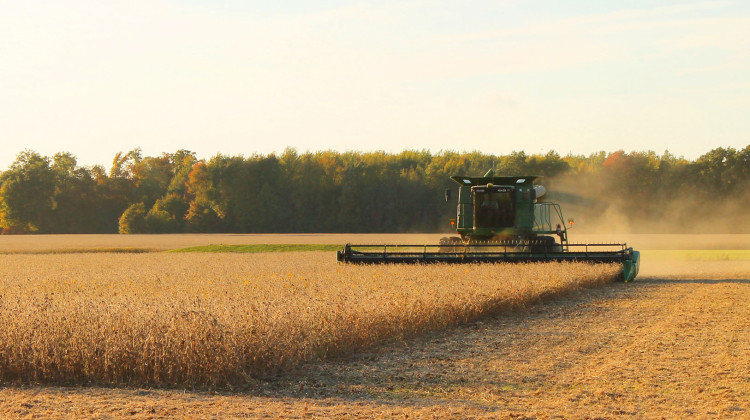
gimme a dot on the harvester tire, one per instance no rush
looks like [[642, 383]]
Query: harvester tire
[[546, 244], [450, 244]]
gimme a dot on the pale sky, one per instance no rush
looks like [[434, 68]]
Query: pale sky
[[242, 77]]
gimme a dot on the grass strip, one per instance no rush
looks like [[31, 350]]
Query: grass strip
[[257, 248]]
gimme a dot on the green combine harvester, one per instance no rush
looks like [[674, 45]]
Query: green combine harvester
[[500, 219]]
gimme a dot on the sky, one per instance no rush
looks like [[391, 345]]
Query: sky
[[94, 78]]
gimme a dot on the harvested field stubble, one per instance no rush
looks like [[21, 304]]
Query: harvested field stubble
[[222, 319]]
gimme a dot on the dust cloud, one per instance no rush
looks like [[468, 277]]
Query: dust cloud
[[602, 205], [693, 270]]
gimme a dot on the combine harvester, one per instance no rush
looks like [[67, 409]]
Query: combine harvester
[[501, 219]]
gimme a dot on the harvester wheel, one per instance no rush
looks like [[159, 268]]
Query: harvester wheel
[[451, 244], [546, 244]]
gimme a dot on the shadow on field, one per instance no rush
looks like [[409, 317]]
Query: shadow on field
[[509, 355], [491, 356]]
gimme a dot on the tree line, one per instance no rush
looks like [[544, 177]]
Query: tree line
[[329, 191]]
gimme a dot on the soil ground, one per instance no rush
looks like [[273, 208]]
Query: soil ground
[[675, 343]]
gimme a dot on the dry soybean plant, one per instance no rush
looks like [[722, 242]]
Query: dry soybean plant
[[223, 319]]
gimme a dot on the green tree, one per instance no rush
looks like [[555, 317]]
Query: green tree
[[716, 169], [26, 195], [76, 207], [152, 177], [167, 215], [133, 219], [182, 163], [201, 217]]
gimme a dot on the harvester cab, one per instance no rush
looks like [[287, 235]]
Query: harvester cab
[[501, 219], [507, 209]]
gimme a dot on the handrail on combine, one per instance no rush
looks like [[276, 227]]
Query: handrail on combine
[[543, 221]]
